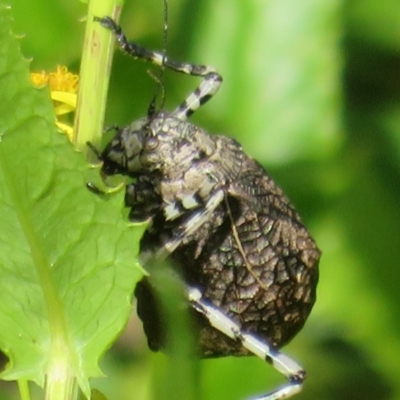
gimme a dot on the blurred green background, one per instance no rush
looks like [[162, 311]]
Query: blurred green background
[[312, 90]]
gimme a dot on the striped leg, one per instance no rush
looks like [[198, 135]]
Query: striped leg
[[208, 87], [196, 220], [285, 365]]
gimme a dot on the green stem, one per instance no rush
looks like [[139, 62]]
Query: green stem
[[94, 74], [23, 387], [61, 380]]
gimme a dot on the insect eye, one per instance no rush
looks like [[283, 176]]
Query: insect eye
[[150, 144]]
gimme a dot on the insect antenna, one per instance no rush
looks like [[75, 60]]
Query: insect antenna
[[152, 109], [158, 77]]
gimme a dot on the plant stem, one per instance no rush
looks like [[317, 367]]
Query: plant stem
[[94, 74]]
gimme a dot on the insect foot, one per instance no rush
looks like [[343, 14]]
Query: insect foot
[[249, 264]]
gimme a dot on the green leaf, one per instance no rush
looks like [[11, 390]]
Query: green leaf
[[67, 258]]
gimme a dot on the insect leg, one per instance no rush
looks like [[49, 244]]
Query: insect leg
[[211, 78], [142, 199], [285, 365], [194, 222]]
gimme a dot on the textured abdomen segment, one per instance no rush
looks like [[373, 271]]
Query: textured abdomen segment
[[266, 281]]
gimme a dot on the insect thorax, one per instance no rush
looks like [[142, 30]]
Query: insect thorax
[[181, 159]]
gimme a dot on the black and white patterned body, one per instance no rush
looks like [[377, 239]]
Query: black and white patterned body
[[250, 265]]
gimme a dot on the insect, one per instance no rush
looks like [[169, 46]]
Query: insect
[[249, 265]]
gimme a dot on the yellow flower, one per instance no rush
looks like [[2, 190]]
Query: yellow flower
[[63, 90]]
